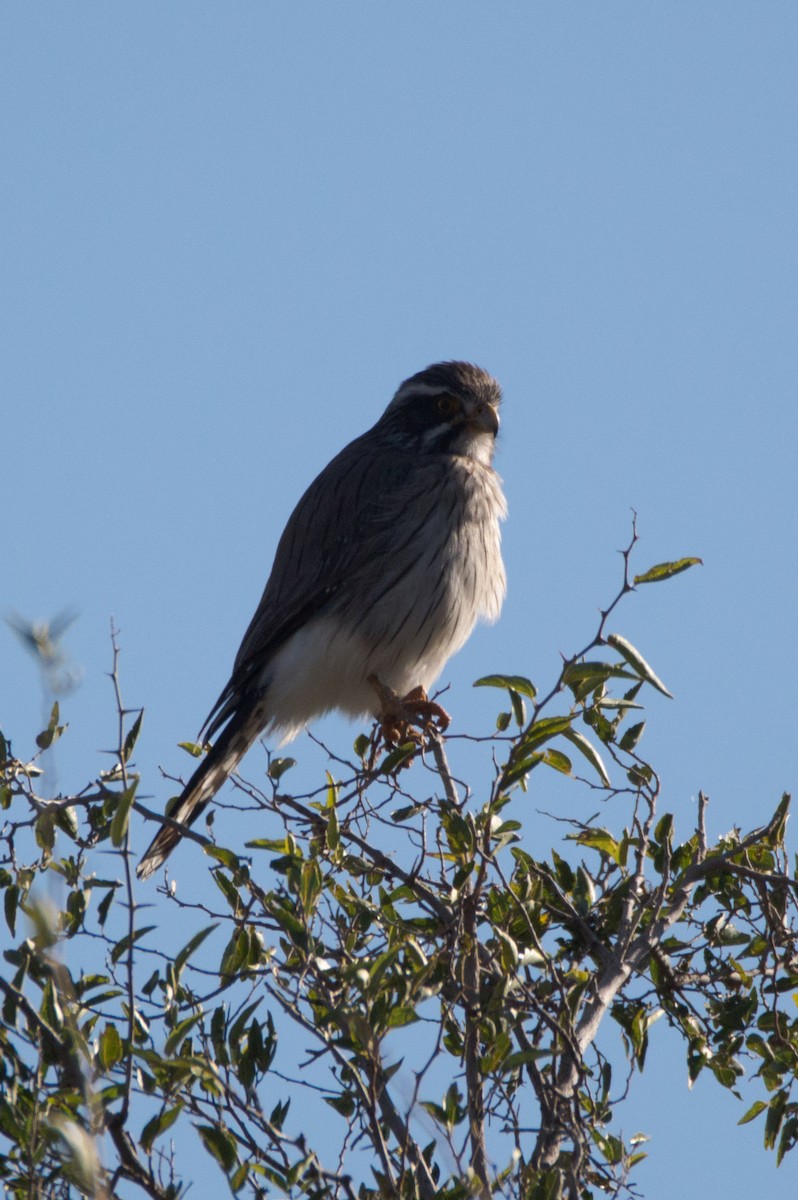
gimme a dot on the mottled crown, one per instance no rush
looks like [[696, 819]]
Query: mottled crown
[[455, 378], [450, 408]]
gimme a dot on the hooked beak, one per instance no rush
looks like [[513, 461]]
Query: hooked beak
[[483, 419]]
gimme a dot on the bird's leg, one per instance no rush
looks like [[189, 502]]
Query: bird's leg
[[398, 714], [427, 712]]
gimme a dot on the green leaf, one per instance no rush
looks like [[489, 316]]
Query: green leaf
[[632, 736], [124, 945], [220, 1144], [226, 857], [756, 1108], [591, 754], [238, 1026], [130, 740], [636, 660], [508, 952], [361, 747], [586, 677], [279, 844], [158, 1125], [179, 1032], [495, 1053], [601, 840], [110, 1049], [521, 1057], [105, 904], [121, 819], [311, 883], [400, 1015], [279, 1113], [610, 702], [666, 570], [436, 1112], [343, 1104], [67, 821], [663, 831], [184, 955], [514, 683], [45, 829], [774, 1118], [333, 835], [518, 770], [53, 731], [518, 708], [11, 901], [557, 760], [50, 1009], [397, 758], [542, 730], [778, 822], [239, 1177], [639, 776], [192, 748], [279, 766], [236, 953], [404, 814]]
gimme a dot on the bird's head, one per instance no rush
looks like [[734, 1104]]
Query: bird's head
[[450, 408]]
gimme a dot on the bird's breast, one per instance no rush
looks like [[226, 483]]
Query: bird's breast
[[430, 567]]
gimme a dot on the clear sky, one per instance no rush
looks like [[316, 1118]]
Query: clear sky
[[230, 230]]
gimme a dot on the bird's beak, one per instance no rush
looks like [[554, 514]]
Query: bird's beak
[[483, 419]]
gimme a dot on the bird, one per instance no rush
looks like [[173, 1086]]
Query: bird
[[386, 564]]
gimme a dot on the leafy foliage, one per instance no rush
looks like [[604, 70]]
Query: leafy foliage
[[457, 991]]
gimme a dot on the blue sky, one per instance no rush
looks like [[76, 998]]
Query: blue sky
[[230, 231]]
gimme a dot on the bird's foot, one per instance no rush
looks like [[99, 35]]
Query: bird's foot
[[404, 719]]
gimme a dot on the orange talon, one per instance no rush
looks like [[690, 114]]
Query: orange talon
[[398, 714]]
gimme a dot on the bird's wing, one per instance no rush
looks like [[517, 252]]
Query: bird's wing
[[351, 505]]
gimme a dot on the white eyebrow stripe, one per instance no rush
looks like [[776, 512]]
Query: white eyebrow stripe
[[421, 389]]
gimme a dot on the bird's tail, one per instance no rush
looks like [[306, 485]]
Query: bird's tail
[[220, 761]]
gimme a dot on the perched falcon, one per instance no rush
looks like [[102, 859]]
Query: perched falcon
[[385, 565]]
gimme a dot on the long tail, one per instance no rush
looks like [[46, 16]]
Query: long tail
[[219, 762]]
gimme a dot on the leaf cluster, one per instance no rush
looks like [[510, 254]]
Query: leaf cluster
[[395, 993]]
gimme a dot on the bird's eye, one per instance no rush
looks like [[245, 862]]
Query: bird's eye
[[447, 405]]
